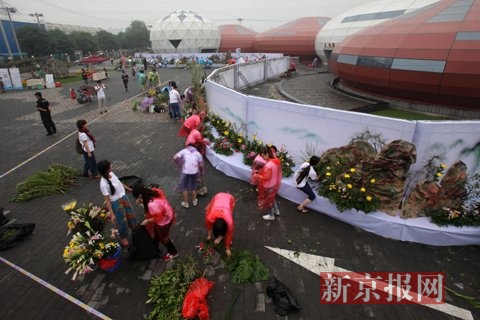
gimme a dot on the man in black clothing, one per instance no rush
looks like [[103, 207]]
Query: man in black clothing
[[43, 106], [125, 80]]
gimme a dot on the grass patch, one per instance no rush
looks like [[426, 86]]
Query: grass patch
[[407, 115], [58, 179], [74, 77]]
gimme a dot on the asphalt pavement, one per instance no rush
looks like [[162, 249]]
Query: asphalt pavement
[[144, 144]]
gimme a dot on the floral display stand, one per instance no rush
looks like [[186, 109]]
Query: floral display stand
[[419, 230], [111, 263]]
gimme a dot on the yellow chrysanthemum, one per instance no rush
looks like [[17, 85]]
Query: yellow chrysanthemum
[[260, 142], [443, 166], [70, 206], [226, 132], [70, 225], [254, 137], [439, 174], [346, 176], [369, 198], [349, 186], [328, 174], [239, 140], [101, 245], [352, 169], [363, 189], [372, 181]]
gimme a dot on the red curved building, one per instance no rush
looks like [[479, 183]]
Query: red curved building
[[233, 36], [431, 56], [296, 38]]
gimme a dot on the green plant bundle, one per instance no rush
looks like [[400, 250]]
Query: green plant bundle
[[167, 291], [244, 266], [58, 179]]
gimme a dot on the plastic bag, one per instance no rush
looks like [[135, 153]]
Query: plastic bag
[[282, 298], [195, 302]]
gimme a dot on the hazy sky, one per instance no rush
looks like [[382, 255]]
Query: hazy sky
[[116, 15]]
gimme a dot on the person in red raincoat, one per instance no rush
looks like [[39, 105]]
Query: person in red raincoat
[[269, 179], [192, 122], [219, 219], [159, 216], [196, 139]]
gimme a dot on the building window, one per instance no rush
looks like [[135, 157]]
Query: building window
[[468, 35], [347, 59], [455, 12], [374, 16], [419, 65], [375, 62]]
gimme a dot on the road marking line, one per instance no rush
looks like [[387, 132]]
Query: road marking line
[[57, 291], [317, 264]]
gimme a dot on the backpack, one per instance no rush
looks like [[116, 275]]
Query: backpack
[[282, 298], [78, 146]]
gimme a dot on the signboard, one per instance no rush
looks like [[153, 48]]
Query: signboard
[[11, 79], [49, 81]]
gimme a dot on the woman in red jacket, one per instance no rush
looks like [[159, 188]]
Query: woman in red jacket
[[159, 216], [219, 219]]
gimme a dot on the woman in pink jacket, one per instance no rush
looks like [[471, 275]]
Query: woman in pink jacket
[[219, 219], [159, 216]]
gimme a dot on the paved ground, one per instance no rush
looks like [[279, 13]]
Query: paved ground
[[143, 144]]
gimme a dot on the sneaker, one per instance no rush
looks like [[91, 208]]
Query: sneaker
[[185, 205], [169, 257], [269, 217], [277, 213], [195, 202]]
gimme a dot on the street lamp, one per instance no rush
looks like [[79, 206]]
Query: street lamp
[[37, 15], [9, 10]]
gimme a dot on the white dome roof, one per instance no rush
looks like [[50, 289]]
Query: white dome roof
[[184, 32], [360, 18]]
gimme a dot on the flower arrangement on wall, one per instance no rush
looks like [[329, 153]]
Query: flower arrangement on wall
[[232, 139]]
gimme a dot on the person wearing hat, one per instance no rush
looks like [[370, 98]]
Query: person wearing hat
[[43, 106]]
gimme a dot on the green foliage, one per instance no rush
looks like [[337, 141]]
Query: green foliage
[[136, 35], [467, 214], [167, 291], [348, 189], [244, 266], [374, 139], [223, 146], [35, 41], [249, 148], [58, 179]]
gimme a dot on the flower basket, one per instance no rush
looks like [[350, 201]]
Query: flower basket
[[111, 263]]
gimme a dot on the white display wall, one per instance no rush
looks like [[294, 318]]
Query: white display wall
[[293, 126]]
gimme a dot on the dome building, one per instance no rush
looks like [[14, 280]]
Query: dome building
[[235, 36], [296, 38], [184, 32], [360, 18], [431, 56]]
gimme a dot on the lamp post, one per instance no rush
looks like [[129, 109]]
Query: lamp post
[[9, 10], [37, 15]]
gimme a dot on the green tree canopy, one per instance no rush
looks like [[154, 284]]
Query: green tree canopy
[[136, 35], [84, 41], [35, 41], [106, 40], [62, 43]]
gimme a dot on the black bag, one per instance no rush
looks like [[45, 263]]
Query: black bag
[[282, 298], [143, 246], [13, 234], [78, 146]]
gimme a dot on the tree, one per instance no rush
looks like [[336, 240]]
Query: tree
[[84, 41], [35, 41], [106, 40], [62, 43], [136, 35]]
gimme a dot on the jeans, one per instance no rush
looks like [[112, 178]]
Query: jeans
[[175, 110], [90, 164]]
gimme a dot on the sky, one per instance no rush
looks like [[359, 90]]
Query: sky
[[116, 15]]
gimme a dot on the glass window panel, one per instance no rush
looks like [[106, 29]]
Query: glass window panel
[[419, 65], [472, 35], [375, 62], [348, 59]]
